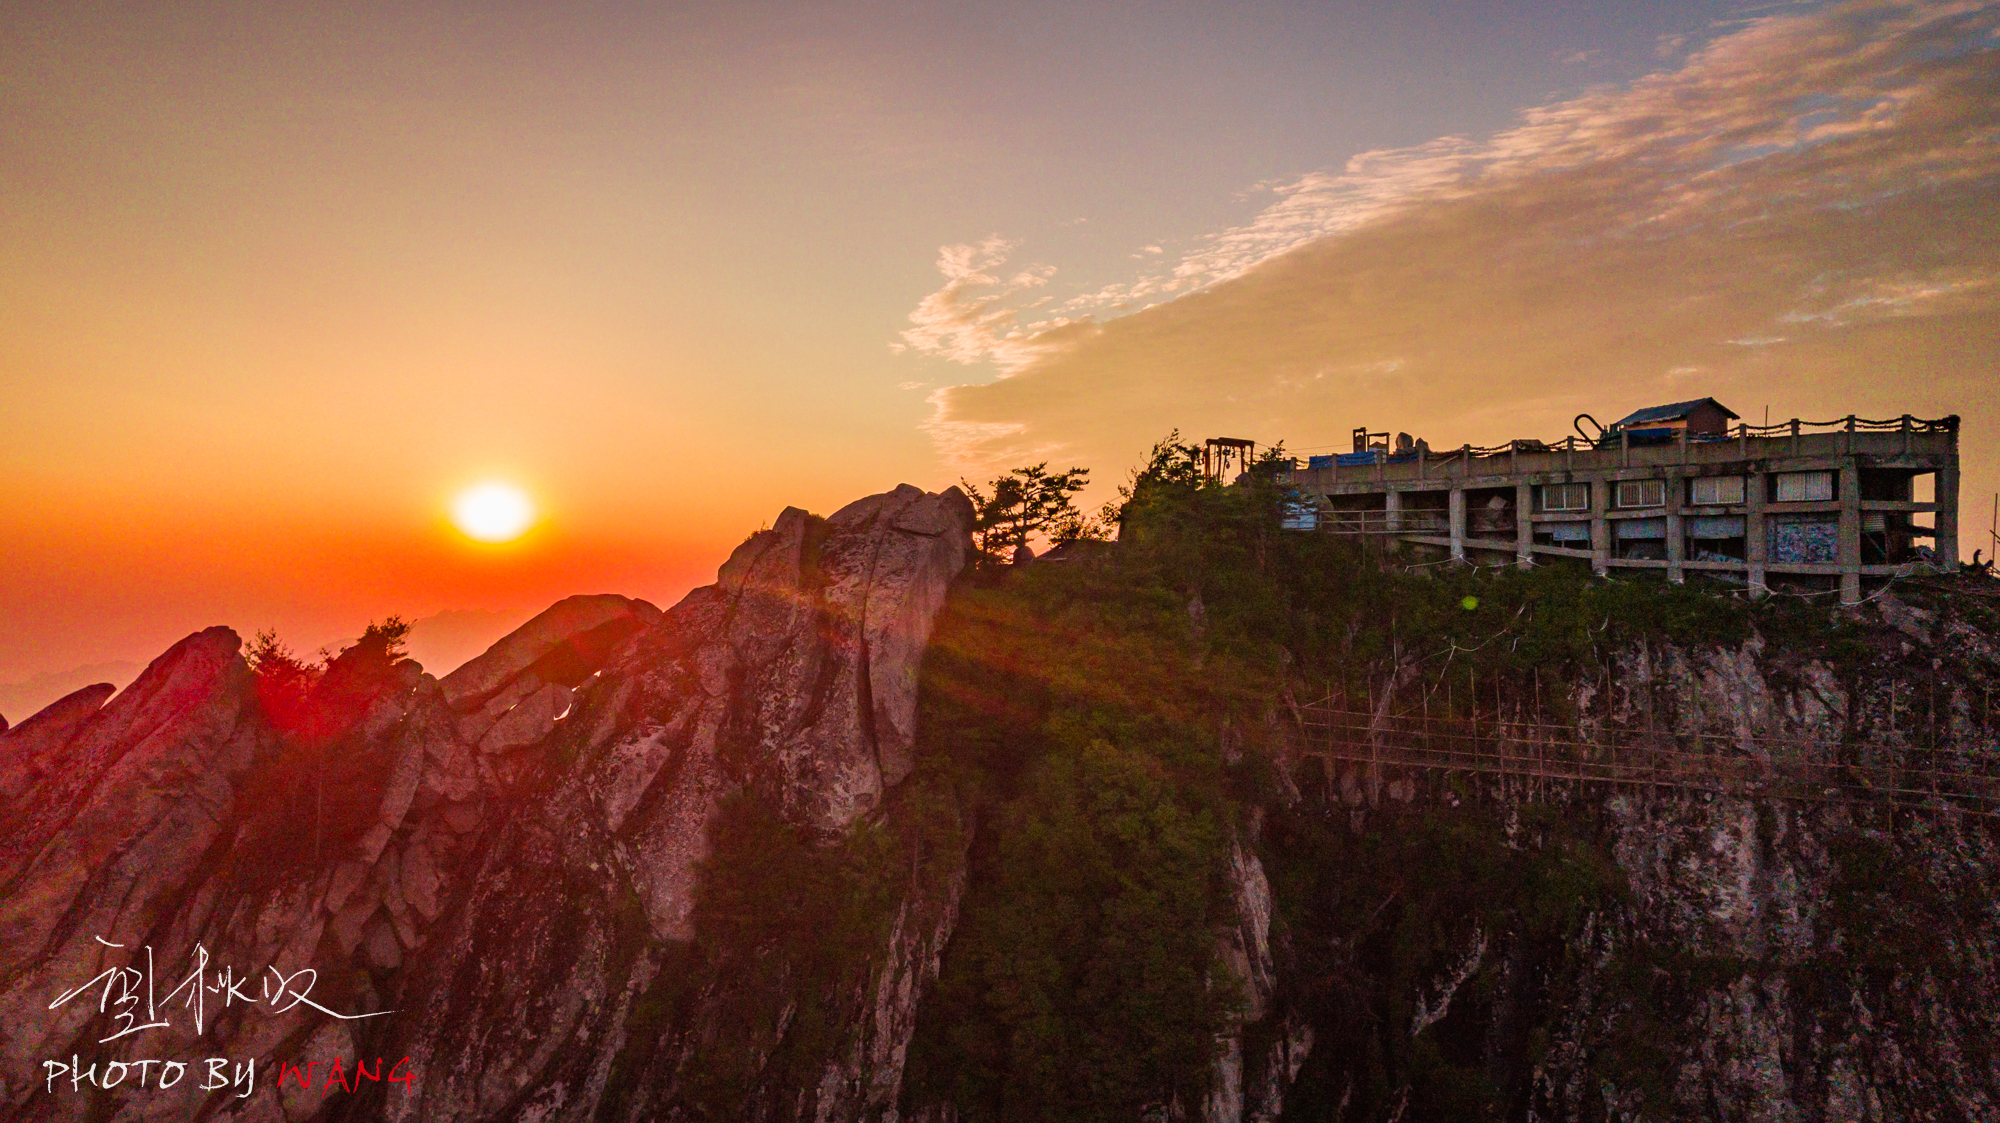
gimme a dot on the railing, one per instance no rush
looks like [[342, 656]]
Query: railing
[[1767, 767], [1423, 520], [1384, 522], [1615, 438]]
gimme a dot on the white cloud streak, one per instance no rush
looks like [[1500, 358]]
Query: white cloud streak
[[972, 318], [1781, 84], [1798, 177]]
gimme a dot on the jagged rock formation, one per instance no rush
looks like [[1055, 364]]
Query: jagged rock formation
[[107, 837], [178, 817], [31, 746], [1253, 1087], [503, 857], [699, 864], [792, 678]]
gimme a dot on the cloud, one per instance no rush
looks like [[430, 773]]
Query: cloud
[[1312, 207], [969, 320], [1850, 300], [1830, 180]]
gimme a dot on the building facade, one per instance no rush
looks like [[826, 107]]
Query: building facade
[[1830, 506]]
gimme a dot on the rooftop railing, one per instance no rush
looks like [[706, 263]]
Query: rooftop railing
[[1642, 437]]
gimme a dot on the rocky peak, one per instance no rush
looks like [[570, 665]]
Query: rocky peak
[[563, 645], [108, 837], [496, 822], [29, 749], [792, 679]]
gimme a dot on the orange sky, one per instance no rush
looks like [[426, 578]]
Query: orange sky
[[276, 281]]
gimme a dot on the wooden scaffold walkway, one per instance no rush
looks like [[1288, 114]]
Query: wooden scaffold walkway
[[1744, 766]]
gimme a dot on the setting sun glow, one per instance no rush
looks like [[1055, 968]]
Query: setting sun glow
[[493, 512]]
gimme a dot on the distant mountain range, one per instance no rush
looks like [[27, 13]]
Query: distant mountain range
[[443, 640], [21, 699], [440, 641]]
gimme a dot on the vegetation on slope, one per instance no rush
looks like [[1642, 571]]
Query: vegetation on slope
[[1089, 709], [321, 787], [1103, 723]]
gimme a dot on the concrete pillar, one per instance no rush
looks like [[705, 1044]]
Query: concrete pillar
[[1458, 524], [1849, 553], [1756, 540], [1524, 526], [1600, 527], [1906, 491], [1945, 519], [1676, 540], [1392, 504]]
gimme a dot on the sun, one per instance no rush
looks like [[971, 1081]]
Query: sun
[[493, 512]]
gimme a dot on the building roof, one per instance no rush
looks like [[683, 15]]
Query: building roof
[[1673, 412]]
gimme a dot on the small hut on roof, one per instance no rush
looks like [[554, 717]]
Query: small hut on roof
[[1703, 416]]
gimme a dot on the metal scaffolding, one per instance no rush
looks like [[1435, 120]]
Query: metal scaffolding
[[1739, 765]]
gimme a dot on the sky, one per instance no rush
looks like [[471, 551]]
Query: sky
[[277, 281]]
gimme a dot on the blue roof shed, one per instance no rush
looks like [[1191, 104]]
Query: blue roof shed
[[1702, 415]]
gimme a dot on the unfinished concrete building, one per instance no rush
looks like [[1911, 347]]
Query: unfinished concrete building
[[1684, 488]]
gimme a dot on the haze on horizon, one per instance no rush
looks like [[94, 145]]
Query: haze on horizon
[[278, 281]]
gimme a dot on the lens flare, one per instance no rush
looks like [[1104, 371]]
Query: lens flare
[[493, 512]]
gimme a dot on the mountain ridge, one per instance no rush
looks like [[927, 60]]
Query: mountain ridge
[[872, 828]]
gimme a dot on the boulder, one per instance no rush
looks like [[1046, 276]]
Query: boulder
[[914, 569], [28, 750], [109, 842], [528, 722], [575, 630]]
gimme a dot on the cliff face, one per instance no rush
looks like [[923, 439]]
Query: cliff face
[[506, 859], [790, 683], [1552, 950], [724, 862]]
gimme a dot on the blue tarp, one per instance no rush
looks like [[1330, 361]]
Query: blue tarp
[[1319, 462], [1570, 532], [1372, 456]]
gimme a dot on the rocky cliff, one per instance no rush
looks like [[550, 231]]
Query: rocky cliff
[[1537, 949], [849, 836], [1397, 943], [487, 873]]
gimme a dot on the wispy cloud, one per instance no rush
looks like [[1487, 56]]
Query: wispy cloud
[[972, 319], [1780, 84], [1829, 180]]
